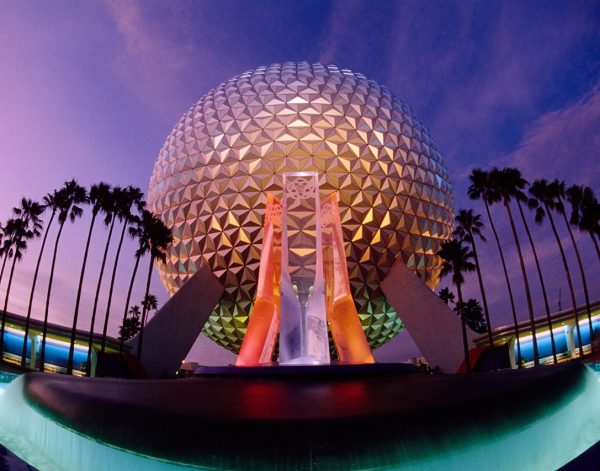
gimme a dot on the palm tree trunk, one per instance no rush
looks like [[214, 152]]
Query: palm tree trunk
[[3, 326], [583, 281], [78, 299], [510, 294], [4, 313], [47, 309], [464, 328], [144, 313], [33, 284], [112, 284], [536, 355], [485, 304], [3, 266], [135, 269], [88, 366], [539, 272], [595, 241], [568, 273]]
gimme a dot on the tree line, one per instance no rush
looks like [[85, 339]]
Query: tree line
[[124, 209], [113, 206], [548, 201]]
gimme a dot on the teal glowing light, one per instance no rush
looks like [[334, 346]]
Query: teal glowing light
[[557, 428], [47, 445], [5, 378]]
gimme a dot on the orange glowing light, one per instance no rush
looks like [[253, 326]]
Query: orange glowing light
[[348, 336]]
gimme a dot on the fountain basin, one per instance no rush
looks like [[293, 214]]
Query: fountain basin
[[539, 418]]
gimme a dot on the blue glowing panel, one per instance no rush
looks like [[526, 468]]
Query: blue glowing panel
[[584, 328], [13, 343], [544, 343], [560, 340], [57, 354]]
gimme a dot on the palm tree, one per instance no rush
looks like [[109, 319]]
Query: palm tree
[[26, 226], [468, 226], [157, 237], [66, 203], [8, 239], [482, 188], [98, 196], [4, 248], [520, 198], [446, 295], [473, 314], [125, 200], [509, 184], [585, 212], [135, 231], [132, 325], [49, 202], [3, 251], [110, 210], [13, 245], [559, 190], [456, 259], [543, 201], [149, 303]]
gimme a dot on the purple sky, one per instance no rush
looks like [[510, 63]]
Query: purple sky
[[90, 90]]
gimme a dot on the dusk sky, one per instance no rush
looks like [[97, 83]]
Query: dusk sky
[[90, 90]]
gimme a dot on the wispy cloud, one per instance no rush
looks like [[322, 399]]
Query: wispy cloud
[[337, 33], [472, 83], [482, 86], [358, 36], [149, 61], [558, 139]]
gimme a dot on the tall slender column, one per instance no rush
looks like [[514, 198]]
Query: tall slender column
[[303, 337]]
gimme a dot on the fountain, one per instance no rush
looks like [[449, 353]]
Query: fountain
[[226, 156], [527, 419], [303, 284], [306, 413]]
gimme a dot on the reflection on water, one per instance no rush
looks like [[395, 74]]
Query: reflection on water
[[595, 367], [5, 378]]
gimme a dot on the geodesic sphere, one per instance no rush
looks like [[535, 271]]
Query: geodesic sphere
[[233, 146]]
